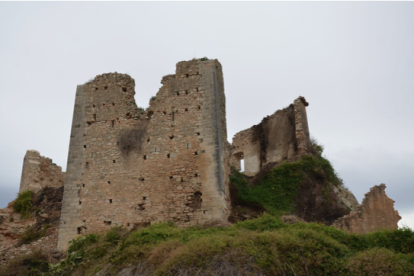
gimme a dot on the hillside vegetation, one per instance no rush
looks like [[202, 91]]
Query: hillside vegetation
[[261, 246]]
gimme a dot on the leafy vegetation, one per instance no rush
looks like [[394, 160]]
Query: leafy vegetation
[[23, 204], [278, 188], [31, 234], [263, 246], [153, 98]]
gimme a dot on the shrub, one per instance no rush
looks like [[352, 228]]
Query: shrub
[[379, 261], [153, 98], [23, 203]]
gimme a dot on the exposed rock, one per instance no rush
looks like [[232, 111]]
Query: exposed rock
[[48, 201], [346, 197], [375, 212]]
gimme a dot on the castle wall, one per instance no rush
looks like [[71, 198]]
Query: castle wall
[[167, 163], [375, 212], [39, 172], [281, 136]]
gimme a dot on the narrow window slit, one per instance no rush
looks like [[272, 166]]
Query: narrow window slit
[[109, 182], [112, 123], [177, 93], [79, 229], [103, 104], [198, 133], [171, 137], [145, 157], [113, 104], [171, 177], [196, 175], [110, 201], [84, 146], [80, 202], [113, 161], [196, 153], [124, 89], [186, 109], [94, 117], [168, 155]]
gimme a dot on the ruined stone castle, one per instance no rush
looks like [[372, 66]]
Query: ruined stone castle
[[171, 162]]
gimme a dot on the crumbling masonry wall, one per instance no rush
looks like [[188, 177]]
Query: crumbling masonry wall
[[176, 167], [375, 212], [281, 136], [39, 172]]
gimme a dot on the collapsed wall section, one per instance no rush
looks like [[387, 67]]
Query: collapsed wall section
[[132, 167], [375, 212], [39, 172], [281, 136]]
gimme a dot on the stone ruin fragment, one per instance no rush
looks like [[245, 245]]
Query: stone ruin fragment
[[375, 212], [171, 162]]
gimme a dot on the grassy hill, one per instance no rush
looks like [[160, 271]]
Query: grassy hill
[[264, 245]]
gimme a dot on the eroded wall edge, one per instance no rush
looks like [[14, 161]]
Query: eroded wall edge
[[375, 212]]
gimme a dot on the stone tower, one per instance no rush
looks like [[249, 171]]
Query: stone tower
[[127, 166]]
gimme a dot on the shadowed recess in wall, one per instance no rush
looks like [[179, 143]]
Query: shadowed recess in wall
[[131, 139]]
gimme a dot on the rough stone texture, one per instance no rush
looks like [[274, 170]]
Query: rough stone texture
[[346, 197], [39, 172], [375, 212], [47, 244], [48, 203], [175, 166], [12, 226], [281, 136]]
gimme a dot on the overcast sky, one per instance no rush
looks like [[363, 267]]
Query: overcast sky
[[353, 61]]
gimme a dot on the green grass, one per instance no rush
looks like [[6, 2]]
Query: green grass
[[264, 245], [23, 204], [278, 188]]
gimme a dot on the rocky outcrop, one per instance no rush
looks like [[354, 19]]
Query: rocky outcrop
[[375, 212], [46, 210], [12, 226], [346, 197]]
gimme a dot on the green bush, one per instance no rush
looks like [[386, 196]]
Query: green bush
[[277, 189], [379, 261], [23, 203]]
